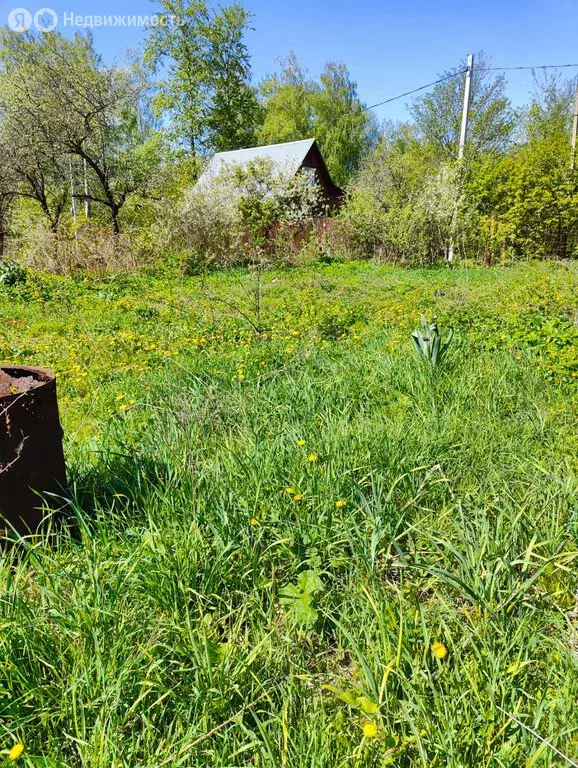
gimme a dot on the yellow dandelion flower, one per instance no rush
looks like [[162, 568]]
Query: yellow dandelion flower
[[16, 751], [290, 491], [301, 442], [313, 457], [341, 503], [439, 650], [369, 730], [254, 521], [298, 497]]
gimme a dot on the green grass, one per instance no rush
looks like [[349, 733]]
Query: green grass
[[158, 631]]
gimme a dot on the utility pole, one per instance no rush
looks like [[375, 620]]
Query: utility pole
[[466, 108], [463, 130], [574, 132]]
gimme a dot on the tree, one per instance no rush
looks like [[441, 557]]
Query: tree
[[288, 104], [550, 111], [344, 128], [529, 197], [60, 103], [232, 108], [330, 110], [401, 205], [8, 189], [438, 114], [37, 168], [206, 89]]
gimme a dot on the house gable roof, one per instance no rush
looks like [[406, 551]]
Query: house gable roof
[[289, 156]]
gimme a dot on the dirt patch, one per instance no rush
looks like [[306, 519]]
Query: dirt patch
[[14, 385]]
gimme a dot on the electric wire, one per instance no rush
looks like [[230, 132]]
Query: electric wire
[[462, 72]]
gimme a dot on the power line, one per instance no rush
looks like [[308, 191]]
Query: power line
[[463, 71], [415, 90], [539, 66]]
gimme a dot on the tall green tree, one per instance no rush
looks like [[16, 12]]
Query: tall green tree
[[549, 113], [438, 113], [297, 107], [205, 88], [62, 103], [288, 103], [344, 128]]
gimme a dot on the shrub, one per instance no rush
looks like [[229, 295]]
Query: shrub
[[91, 248], [405, 207], [247, 214]]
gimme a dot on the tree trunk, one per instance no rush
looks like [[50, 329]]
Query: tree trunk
[[114, 209]]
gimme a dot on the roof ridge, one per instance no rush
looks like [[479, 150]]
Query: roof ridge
[[265, 146]]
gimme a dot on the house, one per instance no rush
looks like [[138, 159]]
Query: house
[[289, 157]]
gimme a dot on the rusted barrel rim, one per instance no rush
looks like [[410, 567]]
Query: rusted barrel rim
[[42, 375]]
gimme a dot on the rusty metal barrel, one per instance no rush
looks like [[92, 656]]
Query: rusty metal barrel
[[31, 454]]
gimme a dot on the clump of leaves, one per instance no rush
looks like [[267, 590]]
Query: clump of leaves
[[355, 699], [429, 344], [300, 599], [12, 274]]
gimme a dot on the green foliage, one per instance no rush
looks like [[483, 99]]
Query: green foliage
[[12, 274], [204, 64], [300, 599], [429, 344], [329, 110], [239, 216], [155, 622], [403, 205], [438, 113], [412, 198], [73, 109], [529, 201], [354, 699]]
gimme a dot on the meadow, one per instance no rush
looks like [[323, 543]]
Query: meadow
[[289, 540]]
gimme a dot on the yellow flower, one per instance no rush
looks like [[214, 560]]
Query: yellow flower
[[313, 457], [301, 442], [298, 497], [290, 490], [341, 503], [439, 650], [254, 521], [369, 730], [16, 751]]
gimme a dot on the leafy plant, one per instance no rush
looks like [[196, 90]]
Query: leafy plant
[[429, 342], [354, 699], [300, 599], [12, 274]]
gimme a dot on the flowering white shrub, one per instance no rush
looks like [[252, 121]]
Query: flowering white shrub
[[235, 217]]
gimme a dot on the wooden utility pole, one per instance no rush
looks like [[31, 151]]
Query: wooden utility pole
[[574, 132], [463, 129]]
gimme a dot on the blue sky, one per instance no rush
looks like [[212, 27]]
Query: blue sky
[[389, 47]]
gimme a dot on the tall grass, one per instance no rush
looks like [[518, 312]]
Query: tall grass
[[151, 631]]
